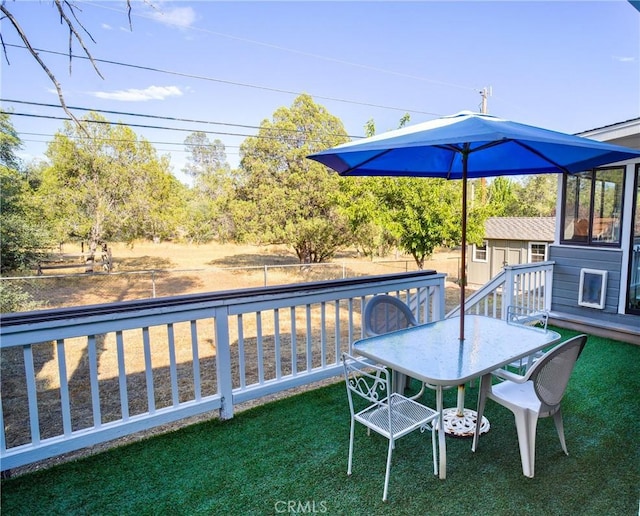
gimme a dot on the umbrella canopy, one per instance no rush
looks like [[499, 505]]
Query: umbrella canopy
[[470, 145]]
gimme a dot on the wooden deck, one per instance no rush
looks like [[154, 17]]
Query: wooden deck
[[625, 328]]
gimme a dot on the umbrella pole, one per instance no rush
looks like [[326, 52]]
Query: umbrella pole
[[463, 265], [459, 421], [463, 271]]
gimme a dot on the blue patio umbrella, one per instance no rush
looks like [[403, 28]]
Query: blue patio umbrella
[[470, 145]]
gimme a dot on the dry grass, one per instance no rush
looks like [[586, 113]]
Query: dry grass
[[202, 269]]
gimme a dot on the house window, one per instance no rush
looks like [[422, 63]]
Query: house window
[[480, 252], [537, 252], [592, 210]]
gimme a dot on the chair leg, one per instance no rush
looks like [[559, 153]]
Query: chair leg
[[485, 386], [351, 436], [526, 424], [435, 448], [557, 419], [386, 475]]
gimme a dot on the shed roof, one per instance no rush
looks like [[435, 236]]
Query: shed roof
[[537, 229]]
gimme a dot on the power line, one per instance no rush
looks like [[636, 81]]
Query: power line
[[157, 117], [223, 81], [184, 144], [143, 126], [158, 149]]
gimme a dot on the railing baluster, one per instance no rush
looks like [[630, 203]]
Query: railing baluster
[[93, 380], [309, 343], [276, 335], [195, 354], [65, 405], [122, 376], [337, 333], [241, 356], [173, 367], [323, 335], [30, 376], [148, 370], [259, 348], [294, 343]]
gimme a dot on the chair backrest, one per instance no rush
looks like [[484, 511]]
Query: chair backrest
[[368, 381], [550, 374], [527, 316], [384, 313]]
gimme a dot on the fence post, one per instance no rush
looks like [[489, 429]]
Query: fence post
[[153, 284], [265, 274]]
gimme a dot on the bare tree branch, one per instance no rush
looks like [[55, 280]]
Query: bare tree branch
[[36, 56], [73, 32], [4, 48], [67, 11]]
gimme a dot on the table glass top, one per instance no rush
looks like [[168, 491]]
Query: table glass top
[[433, 352]]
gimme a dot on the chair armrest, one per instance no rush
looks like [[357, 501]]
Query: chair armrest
[[508, 375]]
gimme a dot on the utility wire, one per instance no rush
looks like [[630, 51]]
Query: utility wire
[[184, 144], [223, 81], [157, 117], [143, 126]]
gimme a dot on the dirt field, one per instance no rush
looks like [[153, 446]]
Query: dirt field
[[147, 270]]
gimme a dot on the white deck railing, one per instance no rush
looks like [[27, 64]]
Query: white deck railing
[[527, 285], [77, 377]]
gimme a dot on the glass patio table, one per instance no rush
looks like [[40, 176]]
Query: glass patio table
[[433, 353]]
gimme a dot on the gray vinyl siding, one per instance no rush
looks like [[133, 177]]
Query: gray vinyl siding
[[566, 277]]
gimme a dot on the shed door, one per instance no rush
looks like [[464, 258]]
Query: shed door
[[505, 256]]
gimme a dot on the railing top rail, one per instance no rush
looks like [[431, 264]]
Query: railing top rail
[[185, 307], [536, 265]]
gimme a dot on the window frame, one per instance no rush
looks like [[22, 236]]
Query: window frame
[[486, 252], [590, 241], [530, 251]]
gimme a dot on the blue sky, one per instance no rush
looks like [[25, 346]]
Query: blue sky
[[566, 66]]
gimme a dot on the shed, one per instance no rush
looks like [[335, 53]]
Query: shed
[[510, 241]]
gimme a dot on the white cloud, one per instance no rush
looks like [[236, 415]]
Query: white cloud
[[106, 26], [137, 95], [624, 59], [181, 17]]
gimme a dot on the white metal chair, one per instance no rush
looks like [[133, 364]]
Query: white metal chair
[[537, 394], [384, 314], [387, 413], [527, 317]]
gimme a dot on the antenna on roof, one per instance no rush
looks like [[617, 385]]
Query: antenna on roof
[[485, 93]]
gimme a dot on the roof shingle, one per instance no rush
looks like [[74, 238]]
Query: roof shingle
[[540, 229]]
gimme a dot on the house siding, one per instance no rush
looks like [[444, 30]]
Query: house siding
[[569, 260]]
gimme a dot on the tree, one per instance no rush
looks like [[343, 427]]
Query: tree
[[208, 212], [529, 196], [427, 213], [502, 198], [370, 220], [110, 185], [538, 195], [23, 238], [285, 197]]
